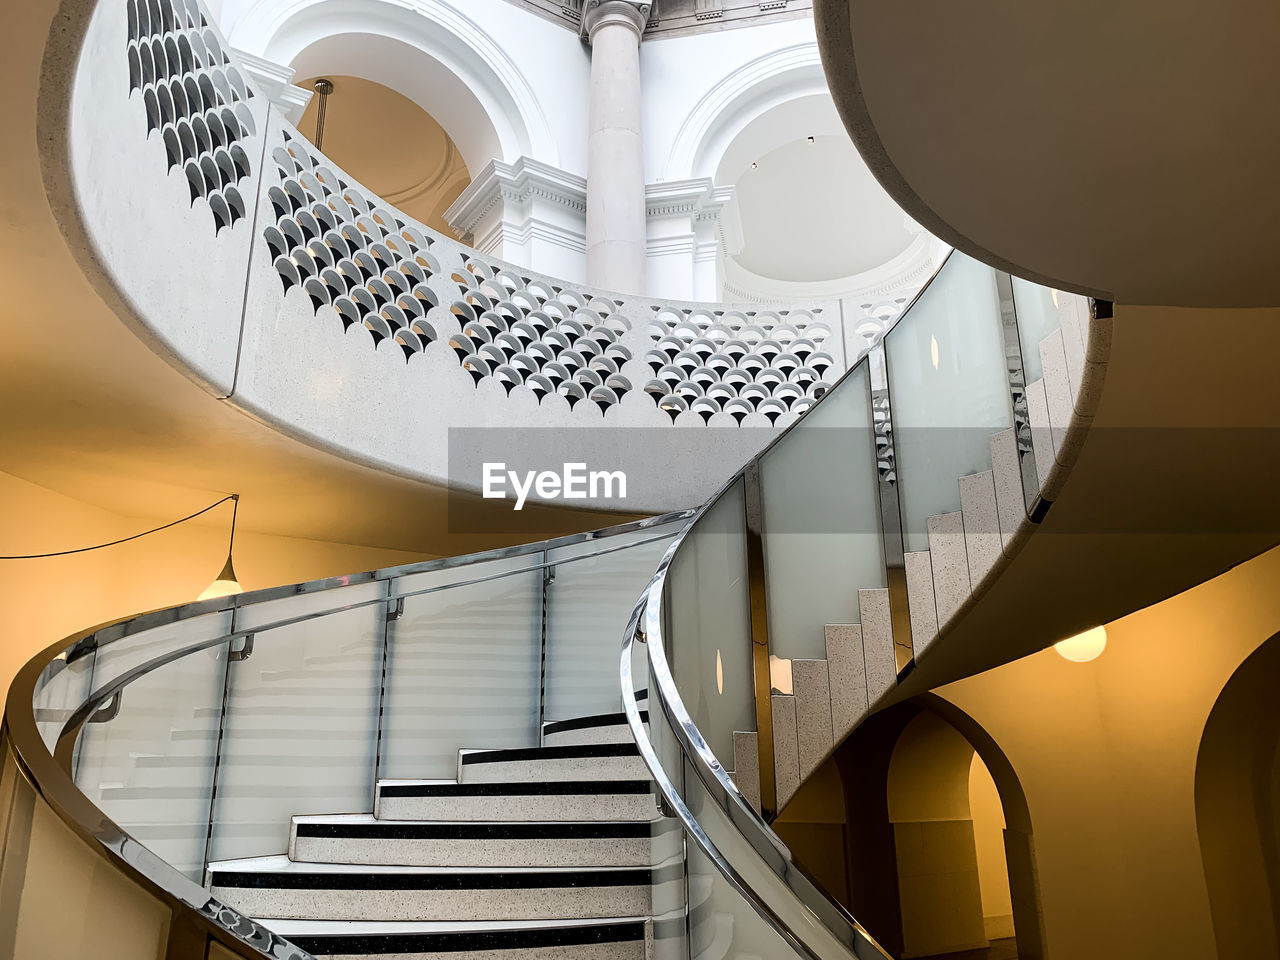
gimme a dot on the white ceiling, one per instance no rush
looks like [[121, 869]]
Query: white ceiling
[[813, 212]]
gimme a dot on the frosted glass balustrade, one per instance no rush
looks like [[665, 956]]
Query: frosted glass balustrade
[[301, 727], [150, 768], [60, 691], [1038, 317], [708, 612], [948, 390], [821, 520], [588, 604], [463, 666]]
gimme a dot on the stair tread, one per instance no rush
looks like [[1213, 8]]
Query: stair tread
[[362, 823], [281, 864], [526, 787], [287, 928]]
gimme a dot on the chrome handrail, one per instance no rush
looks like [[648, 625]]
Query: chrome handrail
[[99, 637], [693, 746], [52, 781]]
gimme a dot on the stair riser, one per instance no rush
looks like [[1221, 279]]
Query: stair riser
[[539, 903], [558, 852], [568, 768], [540, 807], [613, 733]]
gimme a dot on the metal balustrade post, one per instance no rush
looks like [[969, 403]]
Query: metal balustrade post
[[892, 535], [753, 500], [222, 726], [1015, 371], [548, 578], [395, 610]]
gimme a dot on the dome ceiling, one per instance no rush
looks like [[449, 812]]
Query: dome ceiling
[[812, 211]]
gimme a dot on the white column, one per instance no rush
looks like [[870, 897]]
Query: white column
[[616, 244]]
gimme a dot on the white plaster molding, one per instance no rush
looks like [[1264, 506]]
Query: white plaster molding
[[698, 197], [515, 183], [631, 13], [736, 100], [437, 30], [276, 81]]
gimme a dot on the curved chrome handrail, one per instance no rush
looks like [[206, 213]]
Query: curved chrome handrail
[[48, 774], [645, 627]]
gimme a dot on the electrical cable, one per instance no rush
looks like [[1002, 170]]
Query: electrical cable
[[99, 546]]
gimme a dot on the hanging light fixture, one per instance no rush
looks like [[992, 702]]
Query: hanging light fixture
[[1083, 647], [226, 584], [323, 87]]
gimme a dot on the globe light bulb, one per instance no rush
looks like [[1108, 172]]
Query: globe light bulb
[[1083, 647]]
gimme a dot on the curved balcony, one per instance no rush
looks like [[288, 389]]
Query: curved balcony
[[945, 477], [298, 296]]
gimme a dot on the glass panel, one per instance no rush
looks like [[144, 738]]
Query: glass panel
[[708, 631], [669, 890], [60, 691], [721, 922], [808, 914], [948, 389], [1037, 318], [300, 734], [150, 767], [821, 521], [463, 670], [588, 604], [119, 656]]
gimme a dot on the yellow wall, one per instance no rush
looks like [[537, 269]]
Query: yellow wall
[[988, 840], [1106, 753], [42, 601]]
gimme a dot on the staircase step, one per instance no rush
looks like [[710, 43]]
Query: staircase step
[[276, 887], [607, 939], [565, 800], [950, 562], [591, 761], [813, 713], [605, 728], [360, 839]]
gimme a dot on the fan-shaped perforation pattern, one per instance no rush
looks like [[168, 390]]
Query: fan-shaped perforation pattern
[[738, 362], [349, 253], [195, 97]]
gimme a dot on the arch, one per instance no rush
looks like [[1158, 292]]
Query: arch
[[877, 781], [425, 50], [763, 84], [1237, 796]]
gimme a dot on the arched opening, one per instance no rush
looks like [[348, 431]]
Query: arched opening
[[427, 52], [1237, 790], [808, 219], [422, 176], [932, 851]]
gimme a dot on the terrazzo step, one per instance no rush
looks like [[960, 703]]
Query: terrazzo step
[[605, 728], [360, 839], [565, 800], [276, 887], [622, 938], [590, 761]]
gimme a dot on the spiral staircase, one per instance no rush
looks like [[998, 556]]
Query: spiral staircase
[[505, 754]]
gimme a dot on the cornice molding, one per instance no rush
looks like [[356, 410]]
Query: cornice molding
[[598, 13], [515, 183], [699, 198], [276, 81]]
